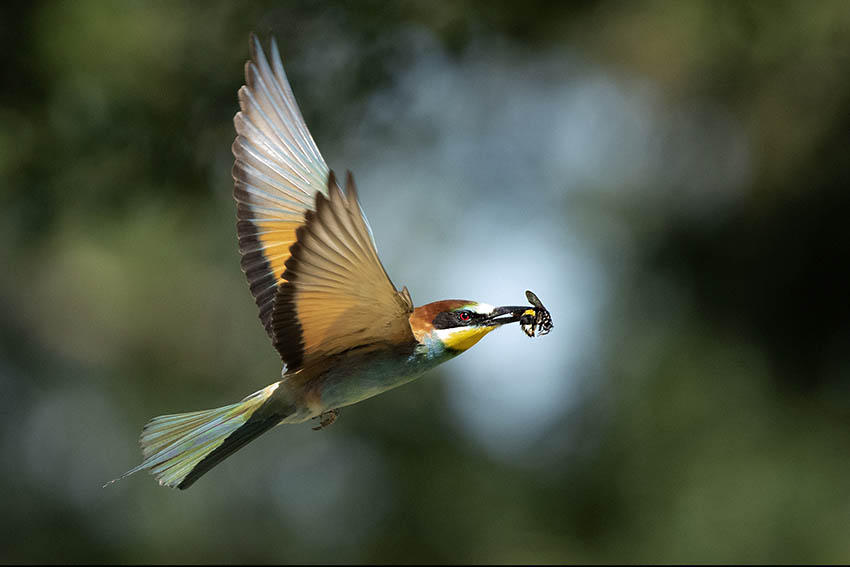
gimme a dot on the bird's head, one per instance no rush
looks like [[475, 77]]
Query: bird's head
[[458, 324]]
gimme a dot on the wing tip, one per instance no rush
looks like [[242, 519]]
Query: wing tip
[[350, 186], [255, 45]]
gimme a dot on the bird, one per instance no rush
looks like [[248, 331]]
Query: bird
[[344, 332]]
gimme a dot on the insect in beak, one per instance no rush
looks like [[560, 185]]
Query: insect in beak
[[537, 320]]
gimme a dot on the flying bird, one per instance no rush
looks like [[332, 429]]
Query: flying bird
[[343, 330]]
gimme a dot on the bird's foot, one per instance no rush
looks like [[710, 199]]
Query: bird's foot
[[326, 418]]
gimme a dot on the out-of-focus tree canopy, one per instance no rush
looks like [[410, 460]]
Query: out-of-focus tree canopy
[[670, 178]]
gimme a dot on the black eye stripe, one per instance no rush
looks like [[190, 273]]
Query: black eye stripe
[[452, 319]]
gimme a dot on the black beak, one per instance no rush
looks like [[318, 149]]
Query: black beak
[[504, 315], [534, 320]]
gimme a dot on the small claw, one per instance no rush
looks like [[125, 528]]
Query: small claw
[[326, 419]]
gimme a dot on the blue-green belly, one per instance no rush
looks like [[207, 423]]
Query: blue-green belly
[[354, 383], [357, 378]]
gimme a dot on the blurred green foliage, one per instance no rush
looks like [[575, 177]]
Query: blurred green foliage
[[714, 418]]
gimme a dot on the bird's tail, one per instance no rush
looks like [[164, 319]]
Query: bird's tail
[[179, 448]]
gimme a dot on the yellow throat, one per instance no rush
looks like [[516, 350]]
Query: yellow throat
[[463, 338]]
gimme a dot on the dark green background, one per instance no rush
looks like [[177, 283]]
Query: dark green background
[[711, 420]]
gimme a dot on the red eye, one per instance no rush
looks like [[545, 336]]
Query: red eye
[[464, 315]]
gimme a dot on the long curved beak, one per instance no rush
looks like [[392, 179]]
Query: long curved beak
[[507, 314]]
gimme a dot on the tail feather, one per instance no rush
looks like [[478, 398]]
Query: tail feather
[[238, 439], [179, 448]]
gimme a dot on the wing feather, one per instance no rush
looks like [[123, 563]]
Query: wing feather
[[307, 250], [278, 171], [336, 287]]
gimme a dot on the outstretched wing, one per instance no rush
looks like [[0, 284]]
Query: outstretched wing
[[306, 249], [278, 173], [336, 295]]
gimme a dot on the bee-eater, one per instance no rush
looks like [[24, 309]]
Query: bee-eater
[[343, 330]]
